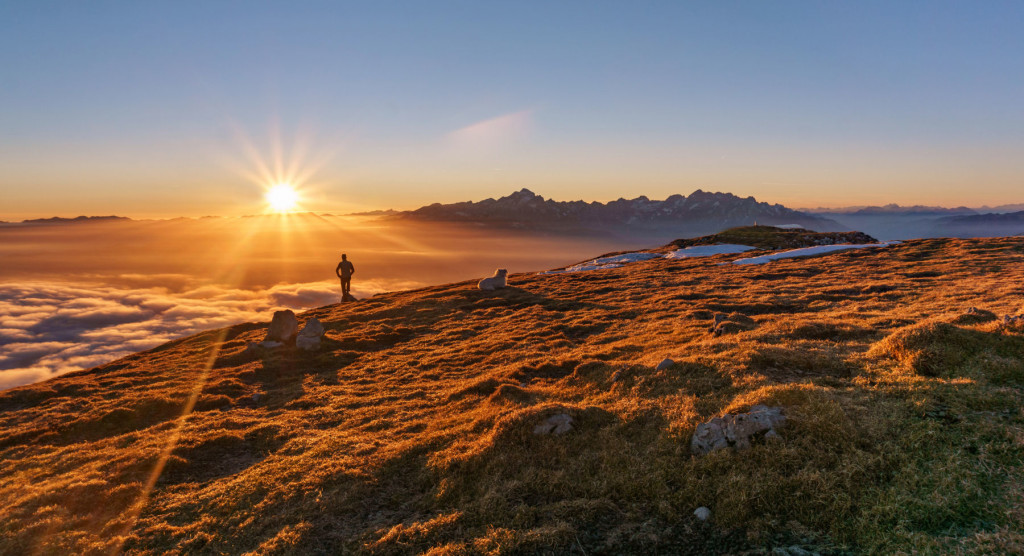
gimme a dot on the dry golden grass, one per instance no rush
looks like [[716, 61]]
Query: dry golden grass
[[411, 431]]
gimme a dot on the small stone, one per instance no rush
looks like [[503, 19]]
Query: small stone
[[257, 397], [797, 551], [664, 364], [556, 424], [719, 318], [615, 376], [270, 344], [702, 513]]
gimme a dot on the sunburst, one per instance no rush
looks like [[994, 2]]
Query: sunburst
[[282, 197]]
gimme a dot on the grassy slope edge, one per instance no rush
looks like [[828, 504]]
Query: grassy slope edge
[[411, 431]]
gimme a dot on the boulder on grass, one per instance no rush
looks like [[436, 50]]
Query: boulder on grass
[[556, 424], [309, 338], [736, 431], [283, 327], [732, 324]]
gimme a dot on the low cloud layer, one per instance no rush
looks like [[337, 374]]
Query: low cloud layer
[[51, 328]]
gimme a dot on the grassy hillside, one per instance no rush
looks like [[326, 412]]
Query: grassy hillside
[[412, 430]]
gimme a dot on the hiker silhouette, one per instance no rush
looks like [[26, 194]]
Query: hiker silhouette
[[345, 270]]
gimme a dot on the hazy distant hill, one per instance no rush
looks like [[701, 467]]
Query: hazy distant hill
[[894, 221], [76, 220], [982, 225], [1015, 207], [893, 210], [700, 212]]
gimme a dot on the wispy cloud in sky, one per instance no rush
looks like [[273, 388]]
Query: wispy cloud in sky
[[494, 131]]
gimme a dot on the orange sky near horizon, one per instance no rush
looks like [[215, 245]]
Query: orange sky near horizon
[[230, 196]]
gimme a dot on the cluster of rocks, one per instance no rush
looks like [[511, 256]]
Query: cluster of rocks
[[731, 323], [974, 315], [284, 330], [556, 424], [1013, 320], [736, 431]]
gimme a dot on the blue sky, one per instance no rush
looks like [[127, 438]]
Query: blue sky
[[168, 108]]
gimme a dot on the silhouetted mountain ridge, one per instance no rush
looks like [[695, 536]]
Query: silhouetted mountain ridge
[[76, 220], [699, 210]]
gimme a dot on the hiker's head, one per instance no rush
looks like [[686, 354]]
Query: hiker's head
[[344, 257]]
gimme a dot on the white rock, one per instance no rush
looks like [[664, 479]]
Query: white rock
[[309, 338], [664, 364], [283, 327], [270, 344], [702, 513], [313, 328], [556, 424], [735, 431]]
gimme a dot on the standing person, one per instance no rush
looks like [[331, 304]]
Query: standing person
[[345, 270]]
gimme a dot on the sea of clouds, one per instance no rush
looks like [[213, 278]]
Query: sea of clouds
[[51, 328]]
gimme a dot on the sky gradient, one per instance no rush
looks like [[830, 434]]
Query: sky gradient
[[167, 109]]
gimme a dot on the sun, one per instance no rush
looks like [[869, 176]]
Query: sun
[[282, 197]]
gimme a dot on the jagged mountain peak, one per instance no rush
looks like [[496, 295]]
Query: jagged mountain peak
[[701, 209]]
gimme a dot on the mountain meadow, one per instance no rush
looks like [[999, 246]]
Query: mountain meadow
[[420, 425]]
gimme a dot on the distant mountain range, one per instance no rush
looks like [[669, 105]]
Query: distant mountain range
[[895, 222], [76, 220], [698, 212], [893, 209], [1004, 219]]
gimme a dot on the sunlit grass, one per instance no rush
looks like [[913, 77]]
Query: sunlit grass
[[412, 430]]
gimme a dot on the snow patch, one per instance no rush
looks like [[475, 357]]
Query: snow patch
[[708, 250], [602, 263], [810, 251]]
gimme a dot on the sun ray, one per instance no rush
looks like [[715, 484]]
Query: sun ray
[[230, 272], [135, 510]]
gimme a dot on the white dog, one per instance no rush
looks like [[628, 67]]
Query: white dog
[[494, 282]]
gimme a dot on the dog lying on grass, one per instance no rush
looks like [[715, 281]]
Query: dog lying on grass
[[495, 282]]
